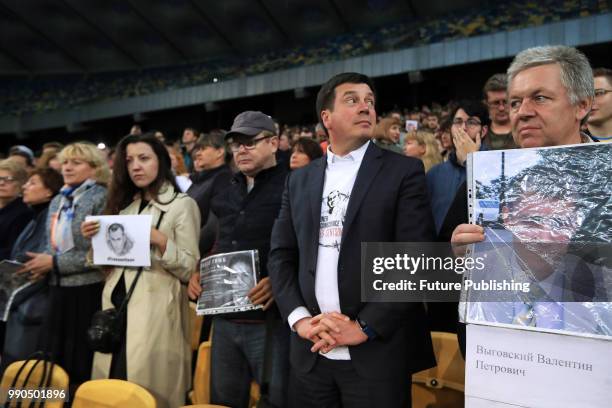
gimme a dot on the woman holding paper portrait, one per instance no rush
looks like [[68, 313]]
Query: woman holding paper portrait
[[74, 287], [155, 351]]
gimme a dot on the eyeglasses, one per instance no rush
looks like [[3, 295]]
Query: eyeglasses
[[471, 122], [498, 103], [248, 144], [7, 180], [601, 92]]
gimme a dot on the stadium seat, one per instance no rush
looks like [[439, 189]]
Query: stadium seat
[[201, 376], [112, 393], [59, 380], [443, 385], [204, 406], [201, 379], [196, 326]]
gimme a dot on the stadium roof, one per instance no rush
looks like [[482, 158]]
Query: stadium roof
[[81, 36]]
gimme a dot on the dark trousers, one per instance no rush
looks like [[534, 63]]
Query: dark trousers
[[335, 384], [237, 358], [70, 312]]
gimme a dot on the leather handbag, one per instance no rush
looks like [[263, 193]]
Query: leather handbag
[[105, 331]]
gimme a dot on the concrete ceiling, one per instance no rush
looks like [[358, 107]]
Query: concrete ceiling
[[39, 37]]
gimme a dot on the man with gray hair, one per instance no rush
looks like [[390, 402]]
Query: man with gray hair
[[550, 91]]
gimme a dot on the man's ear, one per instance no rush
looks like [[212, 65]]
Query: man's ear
[[483, 132], [325, 118], [583, 108], [274, 143]]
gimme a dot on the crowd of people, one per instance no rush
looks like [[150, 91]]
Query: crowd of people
[[24, 96], [305, 199]]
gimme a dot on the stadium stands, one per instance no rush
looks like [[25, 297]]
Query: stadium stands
[[40, 94]]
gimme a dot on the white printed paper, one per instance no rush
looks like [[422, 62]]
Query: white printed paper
[[123, 240], [535, 369]]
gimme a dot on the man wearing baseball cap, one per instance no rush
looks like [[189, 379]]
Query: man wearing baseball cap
[[246, 211]]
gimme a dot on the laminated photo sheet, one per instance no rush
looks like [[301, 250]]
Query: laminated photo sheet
[[226, 279], [545, 206]]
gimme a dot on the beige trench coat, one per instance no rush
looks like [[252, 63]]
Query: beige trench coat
[[158, 327]]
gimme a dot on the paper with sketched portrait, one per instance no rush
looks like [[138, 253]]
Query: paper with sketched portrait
[[123, 240]]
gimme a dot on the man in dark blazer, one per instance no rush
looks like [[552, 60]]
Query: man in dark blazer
[[345, 352]]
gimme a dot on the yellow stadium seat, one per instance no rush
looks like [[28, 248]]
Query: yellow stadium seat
[[254, 394], [443, 385], [59, 381], [204, 406], [201, 376], [201, 379], [196, 326], [112, 393]]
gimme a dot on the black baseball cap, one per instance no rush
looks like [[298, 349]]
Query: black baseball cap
[[251, 123]]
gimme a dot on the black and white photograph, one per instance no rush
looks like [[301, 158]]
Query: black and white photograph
[[226, 280]]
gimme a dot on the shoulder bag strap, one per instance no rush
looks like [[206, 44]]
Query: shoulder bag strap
[[129, 294]]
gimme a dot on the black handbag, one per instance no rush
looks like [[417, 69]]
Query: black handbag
[[106, 329]]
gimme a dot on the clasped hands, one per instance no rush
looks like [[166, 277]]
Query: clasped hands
[[330, 330]]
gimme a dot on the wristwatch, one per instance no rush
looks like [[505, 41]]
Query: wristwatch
[[367, 330]]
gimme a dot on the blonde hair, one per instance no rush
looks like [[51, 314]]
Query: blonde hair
[[432, 154], [16, 170], [91, 154]]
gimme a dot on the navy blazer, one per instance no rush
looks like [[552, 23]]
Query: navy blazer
[[388, 203]]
